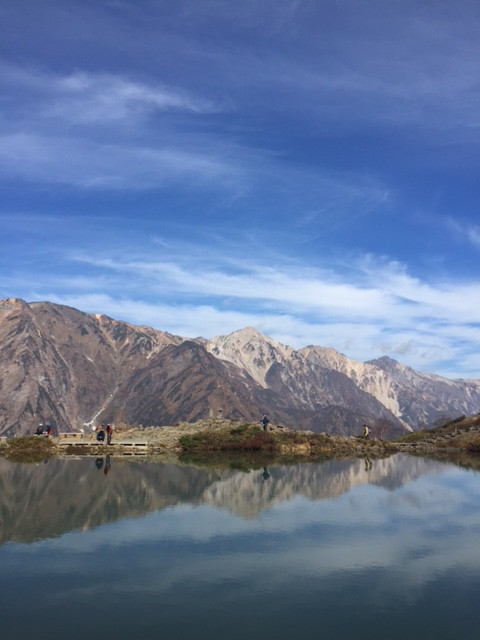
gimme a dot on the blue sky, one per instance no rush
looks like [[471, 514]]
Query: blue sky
[[310, 168]]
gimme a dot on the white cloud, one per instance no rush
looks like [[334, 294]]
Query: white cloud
[[92, 165], [441, 299], [387, 292], [86, 97], [90, 130]]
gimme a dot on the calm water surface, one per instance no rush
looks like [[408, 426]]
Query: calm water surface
[[124, 549]]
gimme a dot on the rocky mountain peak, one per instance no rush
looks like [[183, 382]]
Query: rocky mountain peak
[[385, 362], [396, 370], [251, 351], [9, 303], [326, 356]]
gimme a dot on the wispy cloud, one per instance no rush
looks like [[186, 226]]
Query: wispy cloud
[[88, 130], [464, 230], [93, 165], [86, 97], [105, 131], [372, 290], [474, 236]]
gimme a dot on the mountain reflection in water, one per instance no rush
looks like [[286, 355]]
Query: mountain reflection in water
[[116, 549], [47, 500]]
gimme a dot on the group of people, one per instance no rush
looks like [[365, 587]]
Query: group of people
[[44, 430], [105, 431]]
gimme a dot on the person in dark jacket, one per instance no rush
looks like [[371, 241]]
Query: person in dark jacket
[[101, 433]]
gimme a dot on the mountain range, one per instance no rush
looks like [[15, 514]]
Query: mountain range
[[75, 369]]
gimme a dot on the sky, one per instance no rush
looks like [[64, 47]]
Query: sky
[[306, 167]]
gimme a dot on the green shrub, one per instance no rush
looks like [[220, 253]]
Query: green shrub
[[416, 436]]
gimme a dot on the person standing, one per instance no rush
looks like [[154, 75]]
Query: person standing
[[264, 421], [366, 431], [109, 433]]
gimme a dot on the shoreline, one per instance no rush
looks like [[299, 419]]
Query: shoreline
[[217, 437]]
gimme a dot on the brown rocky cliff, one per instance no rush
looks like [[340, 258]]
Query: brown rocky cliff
[[61, 365]]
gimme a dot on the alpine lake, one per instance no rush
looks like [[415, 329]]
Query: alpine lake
[[114, 547]]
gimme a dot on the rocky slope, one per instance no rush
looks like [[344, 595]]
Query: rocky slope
[[61, 365], [320, 377], [75, 369], [418, 400], [332, 400]]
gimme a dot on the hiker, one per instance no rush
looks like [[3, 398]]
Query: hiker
[[366, 431], [101, 433], [264, 421], [109, 433]]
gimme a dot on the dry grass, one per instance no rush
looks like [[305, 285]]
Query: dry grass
[[250, 438], [242, 438], [29, 449], [459, 428]]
